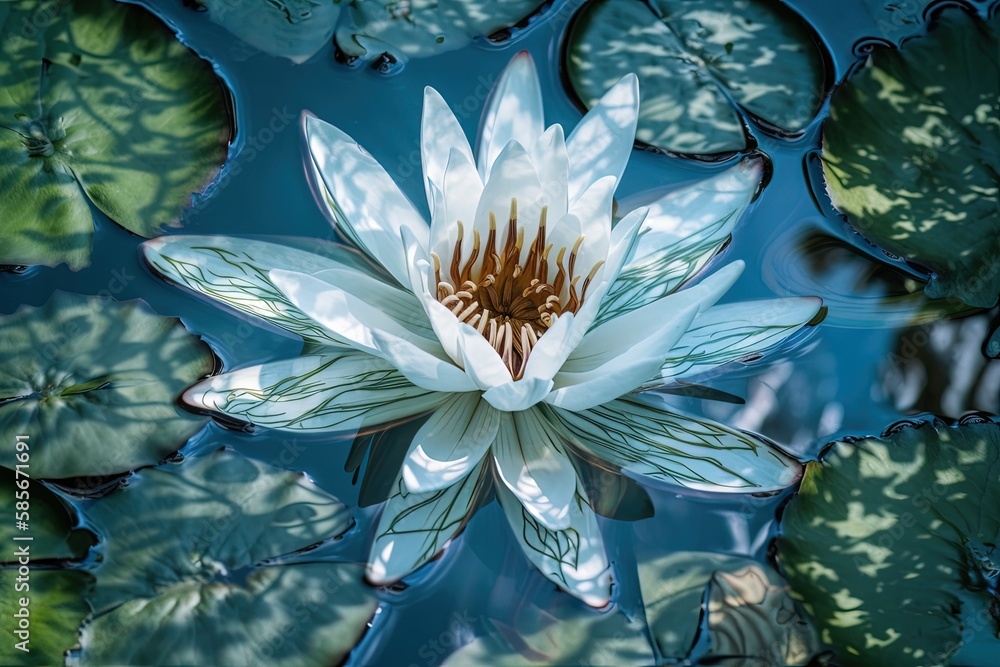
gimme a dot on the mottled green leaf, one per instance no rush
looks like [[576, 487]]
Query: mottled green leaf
[[56, 610], [561, 634], [101, 103], [746, 609], [700, 608], [423, 27], [892, 545], [293, 29], [51, 524], [695, 60], [93, 383], [911, 154], [191, 575]]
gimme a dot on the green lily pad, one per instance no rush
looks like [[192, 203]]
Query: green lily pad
[[892, 545], [746, 609], [196, 570], [56, 609], [420, 28], [293, 29], [51, 524], [911, 153], [93, 385], [698, 62], [701, 608], [102, 104], [54, 598]]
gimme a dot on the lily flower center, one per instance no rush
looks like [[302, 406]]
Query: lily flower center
[[511, 302]]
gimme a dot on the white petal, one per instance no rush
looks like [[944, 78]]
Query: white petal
[[450, 444], [440, 133], [345, 314], [643, 437], [460, 196], [513, 113], [622, 239], [600, 145], [573, 558], [363, 201], [624, 372], [326, 392], [608, 341], [234, 271], [519, 395], [552, 349], [480, 360], [421, 367], [533, 465], [415, 527], [736, 330], [552, 164], [682, 232], [617, 358], [399, 304], [513, 177]]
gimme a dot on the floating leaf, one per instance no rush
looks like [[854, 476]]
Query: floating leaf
[[293, 29], [101, 103], [93, 385], [55, 598], [892, 544], [746, 610], [564, 634], [751, 618], [695, 60], [911, 154], [51, 525], [416, 29], [190, 577], [55, 612]]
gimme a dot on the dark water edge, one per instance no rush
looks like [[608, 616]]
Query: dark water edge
[[830, 383]]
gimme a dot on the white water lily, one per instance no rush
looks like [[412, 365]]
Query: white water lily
[[520, 318]]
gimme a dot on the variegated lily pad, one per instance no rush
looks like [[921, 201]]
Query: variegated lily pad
[[892, 545], [695, 60], [55, 597], [418, 28], [102, 105], [94, 384], [195, 570], [911, 154], [56, 610], [746, 610], [293, 29]]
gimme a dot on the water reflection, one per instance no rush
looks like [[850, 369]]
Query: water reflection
[[859, 291], [940, 368]]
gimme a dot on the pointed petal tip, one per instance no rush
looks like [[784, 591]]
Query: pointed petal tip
[[194, 396], [153, 247]]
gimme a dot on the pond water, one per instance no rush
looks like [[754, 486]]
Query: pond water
[[860, 370]]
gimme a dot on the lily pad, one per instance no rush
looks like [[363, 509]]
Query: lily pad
[[103, 105], [51, 524], [701, 608], [93, 385], [197, 570], [892, 544], [911, 154], [55, 598], [699, 62], [56, 610], [293, 29], [398, 30]]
